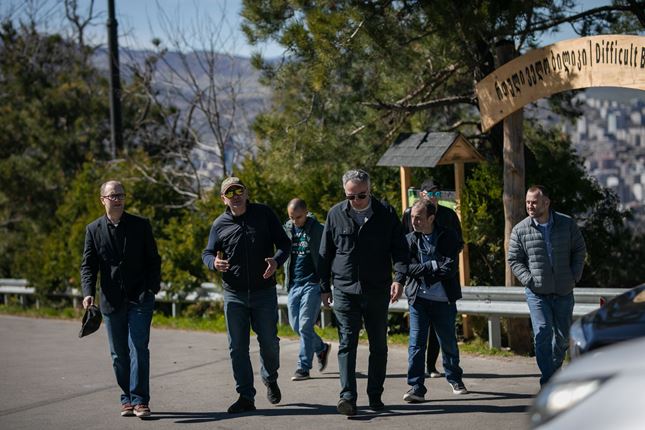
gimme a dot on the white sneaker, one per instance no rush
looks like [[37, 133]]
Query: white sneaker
[[412, 397]]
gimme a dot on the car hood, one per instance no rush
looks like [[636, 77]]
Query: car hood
[[625, 309], [625, 357]]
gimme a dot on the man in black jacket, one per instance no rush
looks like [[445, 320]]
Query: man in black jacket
[[447, 218], [361, 240], [247, 244], [122, 248], [432, 289]]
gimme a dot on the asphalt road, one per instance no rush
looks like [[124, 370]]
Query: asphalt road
[[51, 379]]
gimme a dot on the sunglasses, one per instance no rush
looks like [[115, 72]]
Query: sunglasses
[[115, 197], [236, 192], [432, 193], [359, 196]]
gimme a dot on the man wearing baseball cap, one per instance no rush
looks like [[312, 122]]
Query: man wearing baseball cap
[[247, 244]]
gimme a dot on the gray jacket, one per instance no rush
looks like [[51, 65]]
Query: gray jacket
[[529, 261]]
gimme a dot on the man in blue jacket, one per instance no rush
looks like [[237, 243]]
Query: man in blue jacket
[[247, 244], [547, 254], [303, 283], [361, 240], [432, 290]]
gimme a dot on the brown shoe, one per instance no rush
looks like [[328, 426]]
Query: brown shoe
[[127, 410], [142, 411]]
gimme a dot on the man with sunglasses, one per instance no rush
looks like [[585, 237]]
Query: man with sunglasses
[[361, 240], [447, 218], [247, 244], [121, 246]]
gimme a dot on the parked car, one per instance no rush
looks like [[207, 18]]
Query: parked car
[[622, 318], [603, 389]]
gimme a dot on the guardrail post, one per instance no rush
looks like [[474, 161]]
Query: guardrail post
[[282, 316], [174, 309], [325, 317], [23, 300], [494, 332]]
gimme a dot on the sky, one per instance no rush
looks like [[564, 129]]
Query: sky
[[139, 21]]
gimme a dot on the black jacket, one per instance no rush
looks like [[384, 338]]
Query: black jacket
[[447, 271], [356, 259], [246, 241], [126, 274], [444, 217]]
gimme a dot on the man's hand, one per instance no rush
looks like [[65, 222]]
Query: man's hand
[[272, 266], [88, 301], [220, 264], [326, 299], [396, 289]]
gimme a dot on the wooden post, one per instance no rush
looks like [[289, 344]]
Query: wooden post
[[464, 261], [513, 198], [406, 181]]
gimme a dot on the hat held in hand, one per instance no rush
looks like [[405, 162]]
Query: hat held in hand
[[91, 321]]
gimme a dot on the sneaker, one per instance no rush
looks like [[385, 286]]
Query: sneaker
[[434, 374], [273, 393], [142, 410], [376, 404], [127, 410], [242, 405], [458, 387], [346, 407], [323, 357], [412, 397], [300, 375]]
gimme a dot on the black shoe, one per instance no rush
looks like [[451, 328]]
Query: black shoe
[[323, 357], [346, 407], [242, 405], [273, 393], [300, 375], [376, 404], [458, 387]]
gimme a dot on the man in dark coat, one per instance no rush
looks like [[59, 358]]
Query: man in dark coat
[[247, 244], [122, 248], [362, 238]]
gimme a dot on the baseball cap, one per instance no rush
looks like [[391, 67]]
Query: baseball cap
[[233, 181], [430, 185], [91, 321]]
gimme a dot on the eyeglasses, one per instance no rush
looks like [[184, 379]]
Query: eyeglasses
[[236, 192], [359, 196], [431, 193], [115, 197]]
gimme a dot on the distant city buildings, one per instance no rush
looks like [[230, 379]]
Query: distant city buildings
[[610, 136]]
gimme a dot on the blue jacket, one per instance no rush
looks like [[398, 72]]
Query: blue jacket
[[245, 242]]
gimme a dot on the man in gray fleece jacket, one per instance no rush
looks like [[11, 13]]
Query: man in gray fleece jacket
[[546, 253]]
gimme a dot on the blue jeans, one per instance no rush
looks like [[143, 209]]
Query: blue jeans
[[442, 317], [128, 329], [304, 307], [351, 310], [258, 310], [551, 317]]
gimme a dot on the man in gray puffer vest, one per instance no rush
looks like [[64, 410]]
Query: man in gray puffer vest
[[546, 253]]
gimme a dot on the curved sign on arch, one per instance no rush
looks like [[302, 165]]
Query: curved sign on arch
[[594, 61]]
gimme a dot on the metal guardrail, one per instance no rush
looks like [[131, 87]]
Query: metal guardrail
[[491, 302]]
